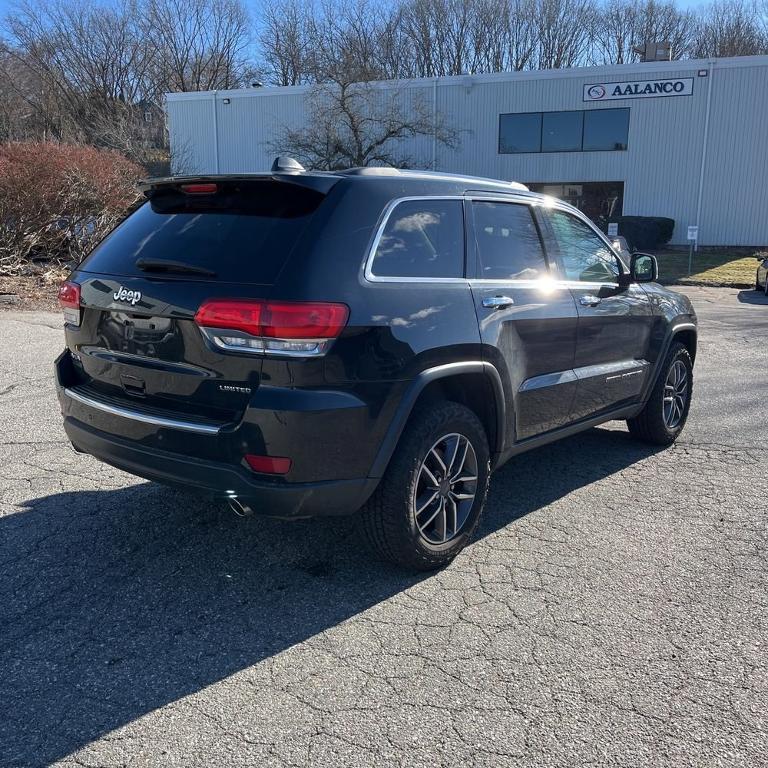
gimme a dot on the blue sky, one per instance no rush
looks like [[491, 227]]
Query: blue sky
[[6, 5]]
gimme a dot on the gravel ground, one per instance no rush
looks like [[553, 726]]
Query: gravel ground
[[612, 611]]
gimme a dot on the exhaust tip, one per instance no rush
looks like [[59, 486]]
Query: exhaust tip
[[239, 508]]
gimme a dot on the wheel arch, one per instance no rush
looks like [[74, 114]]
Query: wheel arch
[[683, 331], [474, 383], [687, 334]]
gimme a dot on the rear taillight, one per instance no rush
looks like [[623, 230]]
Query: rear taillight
[[69, 301], [272, 327]]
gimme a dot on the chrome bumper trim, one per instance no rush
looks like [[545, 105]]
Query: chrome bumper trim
[[144, 418]]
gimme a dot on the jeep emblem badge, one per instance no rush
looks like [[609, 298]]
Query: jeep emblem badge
[[122, 294]]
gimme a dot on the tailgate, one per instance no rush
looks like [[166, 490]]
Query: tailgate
[[149, 348]]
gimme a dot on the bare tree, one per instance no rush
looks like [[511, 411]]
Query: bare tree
[[731, 28], [197, 45], [622, 25], [20, 114], [662, 21], [761, 8], [563, 32], [97, 73], [287, 41], [83, 65], [358, 124], [520, 34]]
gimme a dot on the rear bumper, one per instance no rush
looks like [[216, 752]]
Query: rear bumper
[[127, 452], [342, 497]]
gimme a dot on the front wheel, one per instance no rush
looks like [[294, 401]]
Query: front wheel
[[429, 502], [665, 413]]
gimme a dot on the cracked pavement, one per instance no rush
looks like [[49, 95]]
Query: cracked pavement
[[612, 611]]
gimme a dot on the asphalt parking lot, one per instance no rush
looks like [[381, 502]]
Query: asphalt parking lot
[[613, 610]]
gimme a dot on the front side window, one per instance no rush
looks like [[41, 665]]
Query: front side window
[[422, 238], [508, 244], [580, 254]]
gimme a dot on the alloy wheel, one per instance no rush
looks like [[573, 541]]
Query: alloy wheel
[[446, 488], [675, 394]]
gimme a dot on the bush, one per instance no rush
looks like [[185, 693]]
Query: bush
[[57, 201], [645, 232]]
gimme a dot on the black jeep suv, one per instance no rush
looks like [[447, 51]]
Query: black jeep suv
[[306, 343]]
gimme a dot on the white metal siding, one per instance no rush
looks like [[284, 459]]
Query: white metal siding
[[660, 169], [735, 201]]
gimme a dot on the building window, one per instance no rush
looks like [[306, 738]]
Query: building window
[[573, 131], [562, 131], [606, 129], [520, 133]]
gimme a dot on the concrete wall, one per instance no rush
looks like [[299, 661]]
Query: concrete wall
[[665, 170]]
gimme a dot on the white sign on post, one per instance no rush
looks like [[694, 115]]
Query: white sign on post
[[613, 229], [693, 244]]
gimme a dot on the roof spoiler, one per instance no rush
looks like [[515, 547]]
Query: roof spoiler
[[318, 182]]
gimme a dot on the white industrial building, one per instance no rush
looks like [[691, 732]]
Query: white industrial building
[[682, 139]]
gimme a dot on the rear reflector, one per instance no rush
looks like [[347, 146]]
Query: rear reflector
[[269, 465], [199, 189], [288, 328], [69, 301]]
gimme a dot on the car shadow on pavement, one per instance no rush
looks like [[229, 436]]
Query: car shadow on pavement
[[118, 602], [751, 296]]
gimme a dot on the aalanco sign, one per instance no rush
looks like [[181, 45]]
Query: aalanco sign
[[638, 89]]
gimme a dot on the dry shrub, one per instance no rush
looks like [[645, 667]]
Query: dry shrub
[[57, 201]]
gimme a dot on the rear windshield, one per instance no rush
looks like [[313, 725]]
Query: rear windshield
[[243, 233]]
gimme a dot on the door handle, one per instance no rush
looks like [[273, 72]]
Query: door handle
[[497, 302], [589, 300]]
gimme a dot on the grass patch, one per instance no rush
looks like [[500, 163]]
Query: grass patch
[[716, 268]]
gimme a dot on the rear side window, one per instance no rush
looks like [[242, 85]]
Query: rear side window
[[422, 238], [508, 243], [243, 233]]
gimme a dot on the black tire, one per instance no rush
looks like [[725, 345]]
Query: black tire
[[650, 424], [389, 517]]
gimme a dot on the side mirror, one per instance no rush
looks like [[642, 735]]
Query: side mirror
[[643, 268]]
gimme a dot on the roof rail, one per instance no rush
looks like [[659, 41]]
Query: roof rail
[[416, 173]]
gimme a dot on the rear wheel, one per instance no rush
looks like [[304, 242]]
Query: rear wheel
[[429, 502], [666, 411]]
